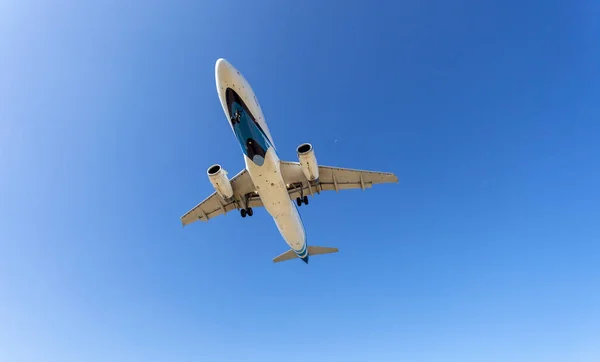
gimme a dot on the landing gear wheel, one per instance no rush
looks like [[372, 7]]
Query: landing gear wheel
[[243, 212], [236, 117], [305, 200], [298, 201], [249, 211]]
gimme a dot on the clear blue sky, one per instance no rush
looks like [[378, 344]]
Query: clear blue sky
[[487, 250]]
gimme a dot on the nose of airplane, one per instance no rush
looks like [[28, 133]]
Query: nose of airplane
[[222, 69]]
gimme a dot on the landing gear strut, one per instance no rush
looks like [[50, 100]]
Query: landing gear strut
[[246, 211]]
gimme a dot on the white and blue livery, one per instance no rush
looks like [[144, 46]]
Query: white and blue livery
[[268, 181]]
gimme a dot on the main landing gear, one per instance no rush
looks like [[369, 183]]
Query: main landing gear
[[302, 200], [247, 211]]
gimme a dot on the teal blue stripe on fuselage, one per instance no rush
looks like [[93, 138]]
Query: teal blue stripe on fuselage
[[252, 140], [302, 253], [249, 133]]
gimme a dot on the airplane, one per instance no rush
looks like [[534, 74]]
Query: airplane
[[267, 181]]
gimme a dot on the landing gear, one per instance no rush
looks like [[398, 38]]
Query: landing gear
[[236, 117], [247, 211], [302, 200]]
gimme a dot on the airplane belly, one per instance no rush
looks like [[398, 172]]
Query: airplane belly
[[291, 230], [273, 193], [269, 183]]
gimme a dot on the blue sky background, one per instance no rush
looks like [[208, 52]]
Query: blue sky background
[[487, 250]]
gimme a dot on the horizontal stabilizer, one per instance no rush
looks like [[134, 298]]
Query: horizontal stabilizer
[[312, 250], [290, 254], [317, 250]]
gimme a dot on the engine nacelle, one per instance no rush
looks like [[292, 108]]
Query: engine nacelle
[[218, 178], [308, 162]]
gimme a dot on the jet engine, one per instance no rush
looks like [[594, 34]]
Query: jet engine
[[308, 162], [218, 178]]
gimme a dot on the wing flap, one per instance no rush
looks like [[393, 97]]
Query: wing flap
[[214, 205], [348, 176], [331, 179]]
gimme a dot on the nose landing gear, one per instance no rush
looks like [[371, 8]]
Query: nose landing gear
[[236, 117]]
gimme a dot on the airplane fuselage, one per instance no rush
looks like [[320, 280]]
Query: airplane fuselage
[[247, 122]]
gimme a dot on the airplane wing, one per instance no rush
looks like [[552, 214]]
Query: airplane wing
[[331, 178], [214, 205]]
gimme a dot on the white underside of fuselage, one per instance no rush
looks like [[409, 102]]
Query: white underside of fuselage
[[267, 177], [276, 200]]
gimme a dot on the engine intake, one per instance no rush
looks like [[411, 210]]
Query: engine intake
[[218, 178], [308, 162]]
